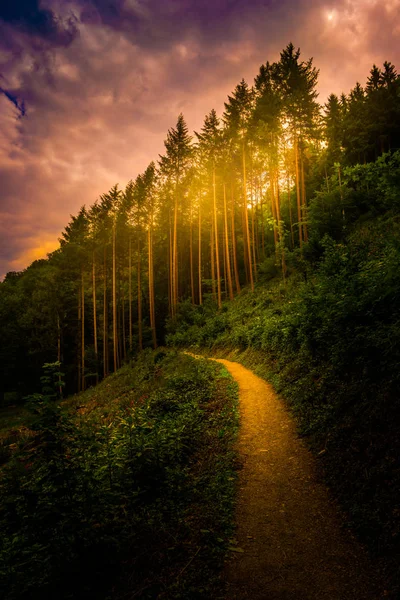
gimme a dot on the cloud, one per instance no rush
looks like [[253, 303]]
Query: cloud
[[28, 17], [20, 106], [102, 82]]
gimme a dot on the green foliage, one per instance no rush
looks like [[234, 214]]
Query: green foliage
[[331, 345], [130, 468], [52, 385], [93, 483]]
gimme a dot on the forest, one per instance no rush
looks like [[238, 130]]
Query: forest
[[271, 236], [270, 178]]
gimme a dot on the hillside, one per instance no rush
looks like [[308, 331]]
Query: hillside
[[255, 189], [329, 340], [271, 237], [124, 489]]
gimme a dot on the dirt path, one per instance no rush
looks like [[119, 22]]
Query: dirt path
[[287, 524]]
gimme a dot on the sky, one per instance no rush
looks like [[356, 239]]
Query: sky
[[89, 88]]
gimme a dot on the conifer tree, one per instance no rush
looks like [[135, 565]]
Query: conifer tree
[[296, 81], [333, 122], [236, 118], [210, 140], [75, 238], [150, 182], [174, 166], [113, 198], [267, 130]]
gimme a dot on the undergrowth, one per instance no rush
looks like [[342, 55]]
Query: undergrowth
[[329, 341], [125, 490]]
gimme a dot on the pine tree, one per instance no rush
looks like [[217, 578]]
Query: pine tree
[[236, 119], [174, 166], [296, 81], [267, 131], [150, 182], [75, 237], [210, 142], [333, 129], [113, 198]]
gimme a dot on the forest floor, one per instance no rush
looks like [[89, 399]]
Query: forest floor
[[290, 541]]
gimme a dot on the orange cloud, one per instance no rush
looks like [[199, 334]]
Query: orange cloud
[[38, 249]]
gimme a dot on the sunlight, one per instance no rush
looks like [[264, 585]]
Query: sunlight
[[39, 250], [331, 16]]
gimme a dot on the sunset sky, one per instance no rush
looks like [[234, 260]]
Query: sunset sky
[[90, 88]]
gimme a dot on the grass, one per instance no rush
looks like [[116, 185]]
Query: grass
[[126, 490], [330, 345]]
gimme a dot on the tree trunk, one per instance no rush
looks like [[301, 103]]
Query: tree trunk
[[280, 229], [303, 197], [105, 319], [79, 349], [170, 276], [245, 251], [175, 259], [227, 258], [130, 297], [246, 222], [83, 332], [273, 205], [216, 242], [257, 218], [119, 321], [296, 159], [114, 295], [253, 239], [151, 283], [123, 326], [214, 293], [139, 295], [96, 351], [290, 212], [224, 275], [341, 193], [191, 254], [262, 221], [235, 264], [200, 266]]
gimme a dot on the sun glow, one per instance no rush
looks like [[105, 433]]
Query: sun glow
[[330, 16], [39, 249]]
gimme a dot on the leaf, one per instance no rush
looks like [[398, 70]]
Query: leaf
[[235, 549]]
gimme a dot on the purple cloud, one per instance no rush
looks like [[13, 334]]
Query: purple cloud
[[102, 82]]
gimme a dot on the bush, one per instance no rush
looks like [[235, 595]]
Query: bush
[[111, 474]]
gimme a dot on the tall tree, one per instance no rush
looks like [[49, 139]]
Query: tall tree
[[210, 140], [333, 122], [175, 166], [150, 182], [296, 81], [113, 198], [236, 118], [267, 130]]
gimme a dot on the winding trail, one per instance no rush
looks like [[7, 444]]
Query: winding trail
[[287, 524]]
